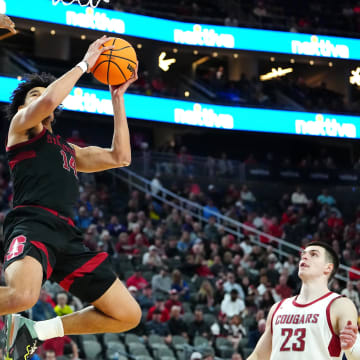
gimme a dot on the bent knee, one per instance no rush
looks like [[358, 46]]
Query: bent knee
[[22, 300], [132, 316]]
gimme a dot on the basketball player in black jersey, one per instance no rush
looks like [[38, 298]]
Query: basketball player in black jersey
[[40, 239]]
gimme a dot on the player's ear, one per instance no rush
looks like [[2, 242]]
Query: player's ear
[[329, 267]]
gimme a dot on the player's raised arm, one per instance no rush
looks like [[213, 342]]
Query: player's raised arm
[[33, 112], [7, 23], [345, 313], [94, 158], [263, 348]]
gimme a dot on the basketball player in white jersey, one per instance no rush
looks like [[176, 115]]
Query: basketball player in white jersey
[[316, 324]]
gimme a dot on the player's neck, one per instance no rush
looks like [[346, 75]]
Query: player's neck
[[312, 290]]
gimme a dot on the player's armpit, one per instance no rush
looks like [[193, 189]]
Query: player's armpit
[[93, 159], [263, 348]]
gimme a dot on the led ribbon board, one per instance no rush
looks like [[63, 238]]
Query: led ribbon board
[[183, 33], [206, 115]]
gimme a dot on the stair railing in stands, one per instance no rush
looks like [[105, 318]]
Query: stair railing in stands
[[236, 228]]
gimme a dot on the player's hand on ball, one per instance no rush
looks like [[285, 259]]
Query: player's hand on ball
[[7, 23], [348, 336], [117, 90], [95, 50]]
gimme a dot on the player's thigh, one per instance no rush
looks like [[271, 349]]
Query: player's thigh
[[25, 276], [118, 303]]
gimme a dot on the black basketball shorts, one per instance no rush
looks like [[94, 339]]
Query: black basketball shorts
[[57, 244]]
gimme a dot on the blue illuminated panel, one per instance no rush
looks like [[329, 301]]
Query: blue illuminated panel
[[206, 115], [183, 33]]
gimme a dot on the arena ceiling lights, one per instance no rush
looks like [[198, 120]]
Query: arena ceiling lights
[[119, 23]]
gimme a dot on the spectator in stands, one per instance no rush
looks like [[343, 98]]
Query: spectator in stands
[[137, 280], [255, 335], [232, 304], [114, 227], [43, 310], [156, 185], [237, 331], [179, 284], [208, 354], [325, 198], [62, 308], [156, 326], [83, 219], [173, 300], [205, 295], [58, 344], [351, 293], [159, 305], [106, 243], [161, 283], [198, 326], [298, 197], [210, 230], [282, 289], [210, 209], [183, 244], [152, 258], [174, 223], [177, 325], [231, 284], [146, 299], [171, 250], [247, 198]]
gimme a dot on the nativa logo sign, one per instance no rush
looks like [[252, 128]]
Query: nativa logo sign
[[318, 47], [323, 126], [203, 37], [200, 116]]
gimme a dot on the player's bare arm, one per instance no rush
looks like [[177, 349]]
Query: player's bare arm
[[263, 348], [94, 158], [41, 103], [7, 23], [344, 319]]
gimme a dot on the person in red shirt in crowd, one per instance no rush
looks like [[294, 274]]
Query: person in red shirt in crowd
[[174, 301], [136, 231], [289, 216], [354, 266], [282, 289], [57, 344], [160, 305], [137, 280], [335, 220]]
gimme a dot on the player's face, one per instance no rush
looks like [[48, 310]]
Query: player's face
[[313, 263]]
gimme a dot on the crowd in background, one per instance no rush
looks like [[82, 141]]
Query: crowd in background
[[192, 278]]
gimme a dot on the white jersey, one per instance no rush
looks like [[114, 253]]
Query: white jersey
[[304, 331]]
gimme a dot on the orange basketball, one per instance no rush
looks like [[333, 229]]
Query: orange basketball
[[116, 65]]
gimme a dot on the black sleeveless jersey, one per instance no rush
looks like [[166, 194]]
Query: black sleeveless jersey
[[43, 171]]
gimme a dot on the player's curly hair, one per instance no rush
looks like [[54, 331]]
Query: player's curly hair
[[29, 82]]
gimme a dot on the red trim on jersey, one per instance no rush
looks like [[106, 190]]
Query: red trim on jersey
[[277, 308], [334, 344], [86, 268], [312, 302], [35, 138], [20, 157], [67, 219], [43, 248]]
